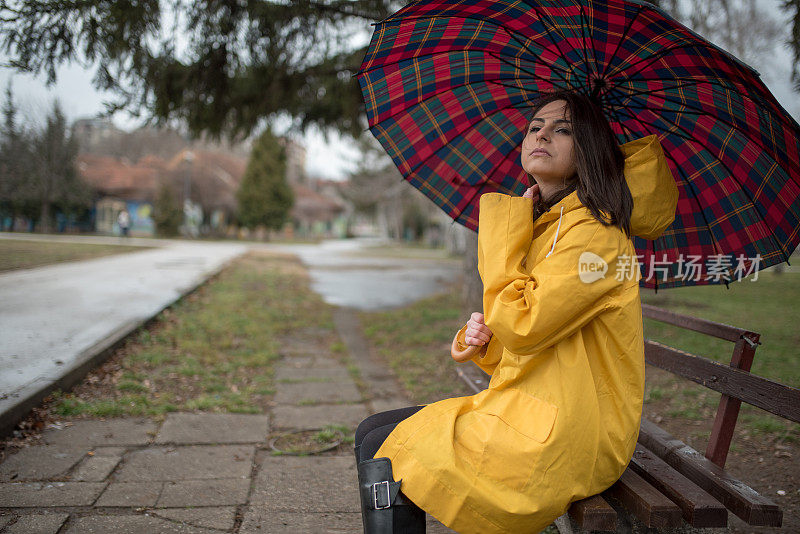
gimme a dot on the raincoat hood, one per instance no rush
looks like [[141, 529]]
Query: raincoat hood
[[655, 195]]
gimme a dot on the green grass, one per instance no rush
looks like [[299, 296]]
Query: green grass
[[415, 340], [213, 351], [19, 254]]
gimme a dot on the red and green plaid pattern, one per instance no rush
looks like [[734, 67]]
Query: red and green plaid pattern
[[448, 87]]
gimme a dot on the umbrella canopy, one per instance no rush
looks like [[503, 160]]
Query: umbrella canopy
[[448, 87]]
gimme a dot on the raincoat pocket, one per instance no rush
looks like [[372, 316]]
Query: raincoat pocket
[[518, 425], [526, 414]]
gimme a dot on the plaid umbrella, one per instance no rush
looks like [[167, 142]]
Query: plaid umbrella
[[448, 86]]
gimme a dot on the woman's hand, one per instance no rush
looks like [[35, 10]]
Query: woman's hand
[[532, 193], [477, 333]]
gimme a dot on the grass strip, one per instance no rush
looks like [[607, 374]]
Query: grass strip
[[16, 254], [213, 351]]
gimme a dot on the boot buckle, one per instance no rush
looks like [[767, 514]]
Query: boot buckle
[[377, 494]]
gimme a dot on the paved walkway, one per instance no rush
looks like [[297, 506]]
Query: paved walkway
[[204, 473], [56, 320]]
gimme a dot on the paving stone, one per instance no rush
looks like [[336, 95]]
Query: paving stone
[[307, 484], [123, 431], [109, 451], [97, 467], [40, 462], [298, 347], [220, 492], [319, 392], [260, 521], [219, 517], [190, 462], [130, 494], [132, 524], [285, 373], [310, 361], [384, 388], [44, 494], [297, 417], [391, 403], [37, 524], [213, 428]]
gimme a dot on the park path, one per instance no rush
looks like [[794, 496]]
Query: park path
[[58, 319], [210, 473]]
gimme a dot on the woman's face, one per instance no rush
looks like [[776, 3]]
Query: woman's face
[[547, 150]]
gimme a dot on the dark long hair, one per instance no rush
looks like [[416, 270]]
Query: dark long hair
[[599, 163]]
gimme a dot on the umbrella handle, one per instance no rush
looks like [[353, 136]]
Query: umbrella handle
[[463, 355]]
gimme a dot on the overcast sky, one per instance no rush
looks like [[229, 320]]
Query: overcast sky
[[331, 159]]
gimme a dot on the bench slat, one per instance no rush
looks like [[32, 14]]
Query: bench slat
[[771, 396], [738, 497], [699, 508], [473, 376], [704, 326], [594, 513], [648, 504]]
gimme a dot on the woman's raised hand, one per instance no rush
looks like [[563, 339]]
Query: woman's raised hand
[[532, 193], [477, 333]]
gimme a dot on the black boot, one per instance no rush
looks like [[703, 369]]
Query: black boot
[[384, 509]]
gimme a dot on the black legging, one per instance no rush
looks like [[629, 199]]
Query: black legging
[[374, 430]]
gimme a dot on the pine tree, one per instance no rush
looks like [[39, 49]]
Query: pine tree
[[16, 165], [55, 183], [244, 61], [167, 212], [264, 196]]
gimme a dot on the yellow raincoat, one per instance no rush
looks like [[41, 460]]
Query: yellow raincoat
[[560, 417]]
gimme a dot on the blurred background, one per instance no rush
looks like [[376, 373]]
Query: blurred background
[[241, 120]]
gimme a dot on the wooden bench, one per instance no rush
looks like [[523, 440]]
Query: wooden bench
[[667, 483]]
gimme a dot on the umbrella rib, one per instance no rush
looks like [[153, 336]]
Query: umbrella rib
[[694, 110], [584, 26], [552, 67], [545, 20], [622, 40], [645, 63], [613, 112], [688, 137], [757, 99]]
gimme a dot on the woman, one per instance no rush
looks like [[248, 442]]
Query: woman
[[561, 337]]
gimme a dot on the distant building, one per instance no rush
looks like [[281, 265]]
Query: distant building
[[127, 170], [207, 179]]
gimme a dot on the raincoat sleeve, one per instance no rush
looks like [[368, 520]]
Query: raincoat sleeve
[[529, 310], [489, 355]]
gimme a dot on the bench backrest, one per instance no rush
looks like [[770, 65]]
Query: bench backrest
[[734, 381]]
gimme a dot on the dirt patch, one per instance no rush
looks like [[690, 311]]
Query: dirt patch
[[304, 442]]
